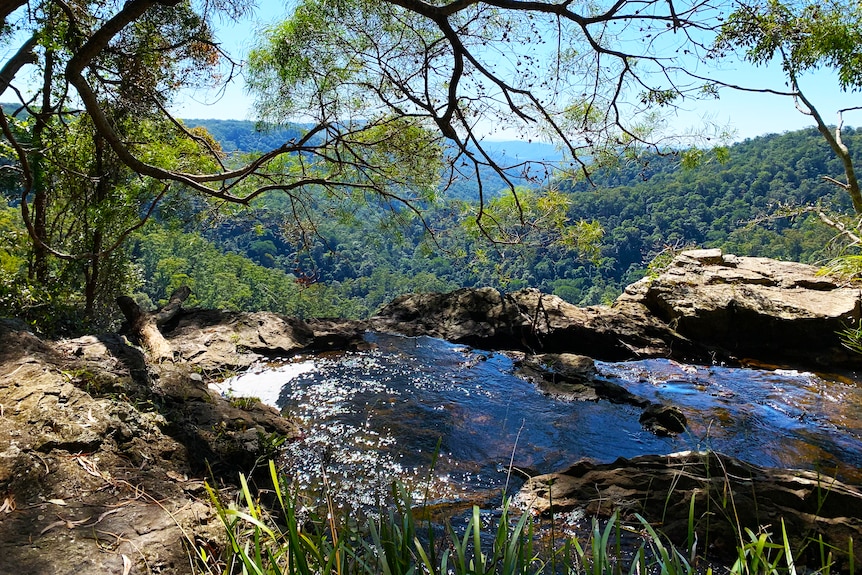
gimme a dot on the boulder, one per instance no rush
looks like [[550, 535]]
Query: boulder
[[755, 308], [103, 457], [728, 494], [531, 321], [705, 307], [338, 334], [572, 378], [663, 419], [465, 315], [216, 340]]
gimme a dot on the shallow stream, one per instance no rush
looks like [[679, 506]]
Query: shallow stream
[[456, 425]]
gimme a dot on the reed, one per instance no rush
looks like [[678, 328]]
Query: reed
[[290, 540]]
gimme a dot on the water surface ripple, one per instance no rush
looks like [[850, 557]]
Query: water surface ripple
[[448, 420]]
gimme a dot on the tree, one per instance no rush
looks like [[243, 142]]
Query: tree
[[77, 199], [122, 64], [589, 76], [805, 35], [96, 202], [390, 94], [442, 66]]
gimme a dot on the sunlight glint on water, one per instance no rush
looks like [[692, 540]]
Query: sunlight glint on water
[[372, 417]]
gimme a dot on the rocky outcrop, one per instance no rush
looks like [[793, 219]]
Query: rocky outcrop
[[756, 308], [728, 495], [215, 341], [663, 419], [705, 307], [103, 456], [532, 321]]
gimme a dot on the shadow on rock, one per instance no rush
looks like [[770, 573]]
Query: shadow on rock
[[727, 495]]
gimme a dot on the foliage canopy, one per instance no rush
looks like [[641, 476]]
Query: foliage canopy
[[805, 35], [386, 103]]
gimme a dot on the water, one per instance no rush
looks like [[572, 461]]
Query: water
[[456, 426]]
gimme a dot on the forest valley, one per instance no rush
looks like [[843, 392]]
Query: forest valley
[[750, 200], [371, 169]]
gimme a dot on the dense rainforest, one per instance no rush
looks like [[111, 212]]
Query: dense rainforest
[[351, 264]]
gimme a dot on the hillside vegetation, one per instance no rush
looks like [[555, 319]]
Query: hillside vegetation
[[351, 264], [347, 259]]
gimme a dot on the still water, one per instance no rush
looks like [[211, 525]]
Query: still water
[[455, 424]]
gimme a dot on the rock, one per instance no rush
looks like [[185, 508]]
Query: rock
[[217, 341], [757, 308], [338, 334], [706, 307], [92, 443], [532, 321], [725, 490], [563, 367], [465, 315], [663, 420], [573, 378]]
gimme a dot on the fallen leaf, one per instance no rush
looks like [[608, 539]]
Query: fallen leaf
[[176, 476], [51, 526], [8, 505]]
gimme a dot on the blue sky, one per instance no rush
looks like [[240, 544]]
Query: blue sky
[[745, 114]]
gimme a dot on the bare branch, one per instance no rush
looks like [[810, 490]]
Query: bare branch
[[837, 225]]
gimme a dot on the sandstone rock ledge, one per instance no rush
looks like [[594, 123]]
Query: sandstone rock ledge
[[758, 308], [727, 494], [532, 321], [103, 456], [705, 307]]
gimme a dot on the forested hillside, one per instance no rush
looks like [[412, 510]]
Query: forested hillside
[[354, 259], [732, 204], [351, 265]]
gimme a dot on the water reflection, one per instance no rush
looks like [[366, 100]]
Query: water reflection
[[456, 423], [774, 418]]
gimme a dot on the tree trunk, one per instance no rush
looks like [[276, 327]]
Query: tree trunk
[[39, 269], [145, 326]]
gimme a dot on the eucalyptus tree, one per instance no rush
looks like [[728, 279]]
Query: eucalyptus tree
[[806, 35], [96, 203], [391, 94], [119, 64], [73, 191]]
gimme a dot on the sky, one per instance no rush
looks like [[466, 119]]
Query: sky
[[755, 114], [746, 115]]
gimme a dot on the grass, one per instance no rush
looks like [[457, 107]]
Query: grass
[[288, 539], [244, 402]]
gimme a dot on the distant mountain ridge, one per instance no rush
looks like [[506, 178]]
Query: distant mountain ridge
[[248, 136], [245, 136]]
